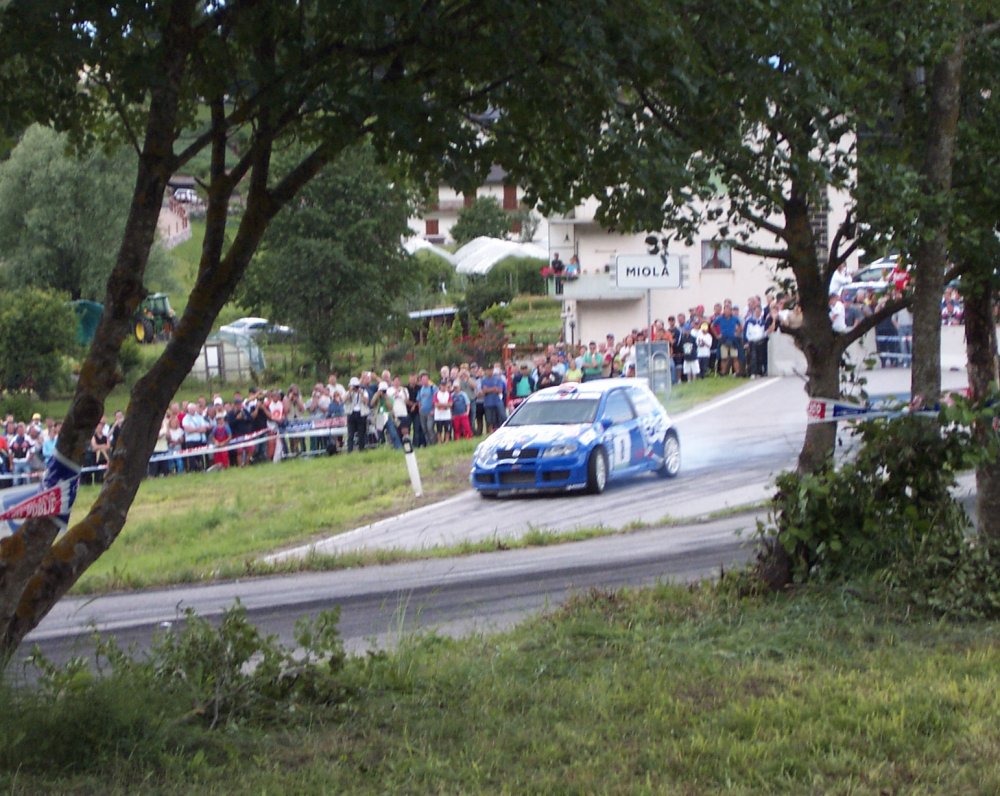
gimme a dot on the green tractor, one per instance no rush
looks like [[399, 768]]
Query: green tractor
[[155, 319]]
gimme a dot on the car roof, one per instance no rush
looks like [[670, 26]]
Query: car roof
[[589, 389]]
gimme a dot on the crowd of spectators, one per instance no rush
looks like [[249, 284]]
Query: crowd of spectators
[[458, 402], [25, 448]]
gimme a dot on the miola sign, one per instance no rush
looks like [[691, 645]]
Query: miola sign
[[648, 271]]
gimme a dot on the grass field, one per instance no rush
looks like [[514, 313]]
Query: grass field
[[217, 525], [666, 691]]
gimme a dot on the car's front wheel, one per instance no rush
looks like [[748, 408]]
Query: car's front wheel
[[671, 456], [597, 471]]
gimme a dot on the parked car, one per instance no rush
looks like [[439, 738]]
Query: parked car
[[874, 279], [186, 195], [257, 327], [578, 436]]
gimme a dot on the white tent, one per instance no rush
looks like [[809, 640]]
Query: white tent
[[415, 244], [478, 256]]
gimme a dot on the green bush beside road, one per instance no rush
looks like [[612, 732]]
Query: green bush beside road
[[669, 690]]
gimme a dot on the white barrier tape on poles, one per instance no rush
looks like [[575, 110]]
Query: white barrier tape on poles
[[829, 410], [52, 497], [300, 429]]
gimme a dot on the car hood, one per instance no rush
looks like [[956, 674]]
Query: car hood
[[538, 436]]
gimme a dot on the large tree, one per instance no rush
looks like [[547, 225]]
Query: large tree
[[332, 265], [484, 216], [319, 74], [62, 215], [38, 332], [746, 120]]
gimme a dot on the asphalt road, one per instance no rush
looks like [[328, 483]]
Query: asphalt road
[[732, 447]]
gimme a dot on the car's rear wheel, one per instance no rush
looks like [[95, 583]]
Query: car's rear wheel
[[671, 456], [597, 471]]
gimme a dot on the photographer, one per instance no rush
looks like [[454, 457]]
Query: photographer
[[357, 408], [381, 403], [295, 409]]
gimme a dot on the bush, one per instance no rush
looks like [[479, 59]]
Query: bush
[[890, 514], [195, 679]]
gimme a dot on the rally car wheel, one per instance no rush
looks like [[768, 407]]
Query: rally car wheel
[[597, 471], [671, 456]]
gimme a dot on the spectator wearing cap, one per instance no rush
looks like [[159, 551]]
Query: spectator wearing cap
[[703, 338], [522, 384]]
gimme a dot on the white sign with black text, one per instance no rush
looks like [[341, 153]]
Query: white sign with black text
[[648, 271]]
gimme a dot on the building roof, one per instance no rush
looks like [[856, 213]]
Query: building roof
[[479, 255], [415, 244]]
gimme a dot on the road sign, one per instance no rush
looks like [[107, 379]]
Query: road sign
[[648, 271]]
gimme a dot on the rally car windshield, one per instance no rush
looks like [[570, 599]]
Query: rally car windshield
[[559, 411]]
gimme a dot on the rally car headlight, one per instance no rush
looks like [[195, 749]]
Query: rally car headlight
[[566, 449], [484, 454]]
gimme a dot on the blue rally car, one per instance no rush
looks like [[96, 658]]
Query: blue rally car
[[578, 436]]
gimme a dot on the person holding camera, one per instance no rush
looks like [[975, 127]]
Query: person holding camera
[[381, 403], [357, 407]]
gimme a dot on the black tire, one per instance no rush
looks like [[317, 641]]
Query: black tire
[[671, 455], [139, 329], [147, 326], [597, 471]]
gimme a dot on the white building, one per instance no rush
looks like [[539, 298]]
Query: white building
[[593, 305]]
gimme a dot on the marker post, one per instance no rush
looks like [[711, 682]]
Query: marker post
[[411, 467]]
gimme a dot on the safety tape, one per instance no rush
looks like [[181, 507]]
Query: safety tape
[[295, 430]]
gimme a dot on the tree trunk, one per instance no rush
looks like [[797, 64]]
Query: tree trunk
[[22, 554], [981, 348], [932, 252]]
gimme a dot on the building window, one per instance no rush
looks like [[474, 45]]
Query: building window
[[431, 227], [716, 254], [510, 197]]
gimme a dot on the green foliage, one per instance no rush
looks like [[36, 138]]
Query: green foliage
[[331, 264], [521, 274], [507, 279], [18, 404], [890, 514], [482, 292], [433, 278], [484, 217], [62, 216], [498, 314], [674, 689], [38, 329], [232, 672], [130, 359], [197, 677]]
